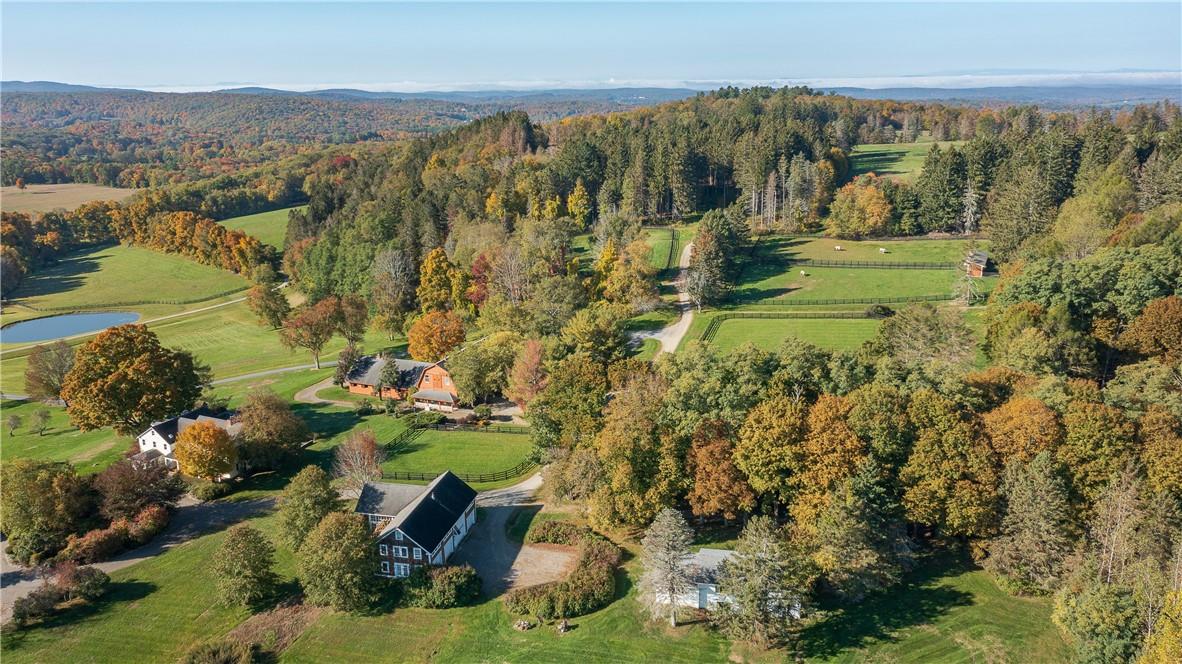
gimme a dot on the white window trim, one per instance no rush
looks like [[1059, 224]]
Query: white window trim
[[398, 535], [418, 553], [383, 549], [401, 570], [401, 552], [385, 567]]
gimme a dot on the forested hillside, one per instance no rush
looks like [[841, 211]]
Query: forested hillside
[[145, 139]]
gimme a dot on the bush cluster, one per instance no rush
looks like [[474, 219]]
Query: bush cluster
[[442, 587], [211, 490], [590, 586], [103, 543], [222, 652], [425, 418], [81, 583]]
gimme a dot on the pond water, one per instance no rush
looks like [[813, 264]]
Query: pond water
[[65, 325]]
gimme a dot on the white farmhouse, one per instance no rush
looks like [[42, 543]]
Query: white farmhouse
[[704, 567], [158, 443]]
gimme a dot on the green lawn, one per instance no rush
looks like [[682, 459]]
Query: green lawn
[[96, 278], [770, 334], [269, 227], [433, 450], [89, 451], [902, 161], [946, 612]]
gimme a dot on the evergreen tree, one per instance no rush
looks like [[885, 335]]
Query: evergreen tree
[[768, 581], [1037, 533], [861, 540], [941, 187], [664, 559]]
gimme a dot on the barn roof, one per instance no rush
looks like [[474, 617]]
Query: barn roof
[[427, 516], [368, 371]]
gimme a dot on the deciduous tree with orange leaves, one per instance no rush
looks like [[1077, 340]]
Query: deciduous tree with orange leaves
[[205, 450], [1158, 330], [831, 453], [434, 335], [1021, 428], [719, 488]]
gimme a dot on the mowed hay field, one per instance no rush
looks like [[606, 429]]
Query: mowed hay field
[[902, 161], [46, 197], [113, 276], [269, 227]]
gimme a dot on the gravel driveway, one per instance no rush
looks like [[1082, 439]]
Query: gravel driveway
[[501, 562]]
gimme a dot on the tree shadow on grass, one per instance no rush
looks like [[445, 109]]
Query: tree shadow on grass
[[921, 599], [326, 421], [79, 612], [61, 278]]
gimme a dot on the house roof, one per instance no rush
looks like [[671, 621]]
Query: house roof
[[435, 395], [977, 258], [705, 564], [169, 429], [427, 517], [368, 371]]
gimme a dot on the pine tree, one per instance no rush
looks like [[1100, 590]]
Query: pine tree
[[767, 579], [861, 541], [664, 558], [1036, 531]]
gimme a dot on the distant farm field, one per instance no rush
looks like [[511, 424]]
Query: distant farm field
[[268, 227], [113, 276], [46, 197], [902, 161], [89, 451]]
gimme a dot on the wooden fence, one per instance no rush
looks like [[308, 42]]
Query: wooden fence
[[881, 265], [498, 476], [898, 299]]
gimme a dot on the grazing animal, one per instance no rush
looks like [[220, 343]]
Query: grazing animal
[[837, 247], [802, 273], [882, 250]]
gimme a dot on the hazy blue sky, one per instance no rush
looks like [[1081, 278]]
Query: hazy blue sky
[[454, 46]]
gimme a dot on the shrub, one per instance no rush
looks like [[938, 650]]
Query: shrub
[[88, 583], [222, 652], [96, 545], [425, 418], [211, 490], [442, 587], [879, 311], [591, 585], [148, 523], [37, 605], [364, 408], [483, 412]]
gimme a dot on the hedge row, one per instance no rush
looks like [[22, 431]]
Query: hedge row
[[591, 585], [103, 543]]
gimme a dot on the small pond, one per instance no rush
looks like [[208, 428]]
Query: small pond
[[65, 325]]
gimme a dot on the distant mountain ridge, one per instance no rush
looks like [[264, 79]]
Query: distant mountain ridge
[[1049, 96]]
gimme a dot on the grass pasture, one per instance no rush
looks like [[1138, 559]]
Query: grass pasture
[[103, 277], [269, 227], [902, 251], [46, 197], [770, 334], [902, 161], [89, 451], [946, 612]]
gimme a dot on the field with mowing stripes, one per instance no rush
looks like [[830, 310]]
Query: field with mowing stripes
[[828, 333]]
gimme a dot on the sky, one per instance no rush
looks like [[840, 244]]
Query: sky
[[489, 45]]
